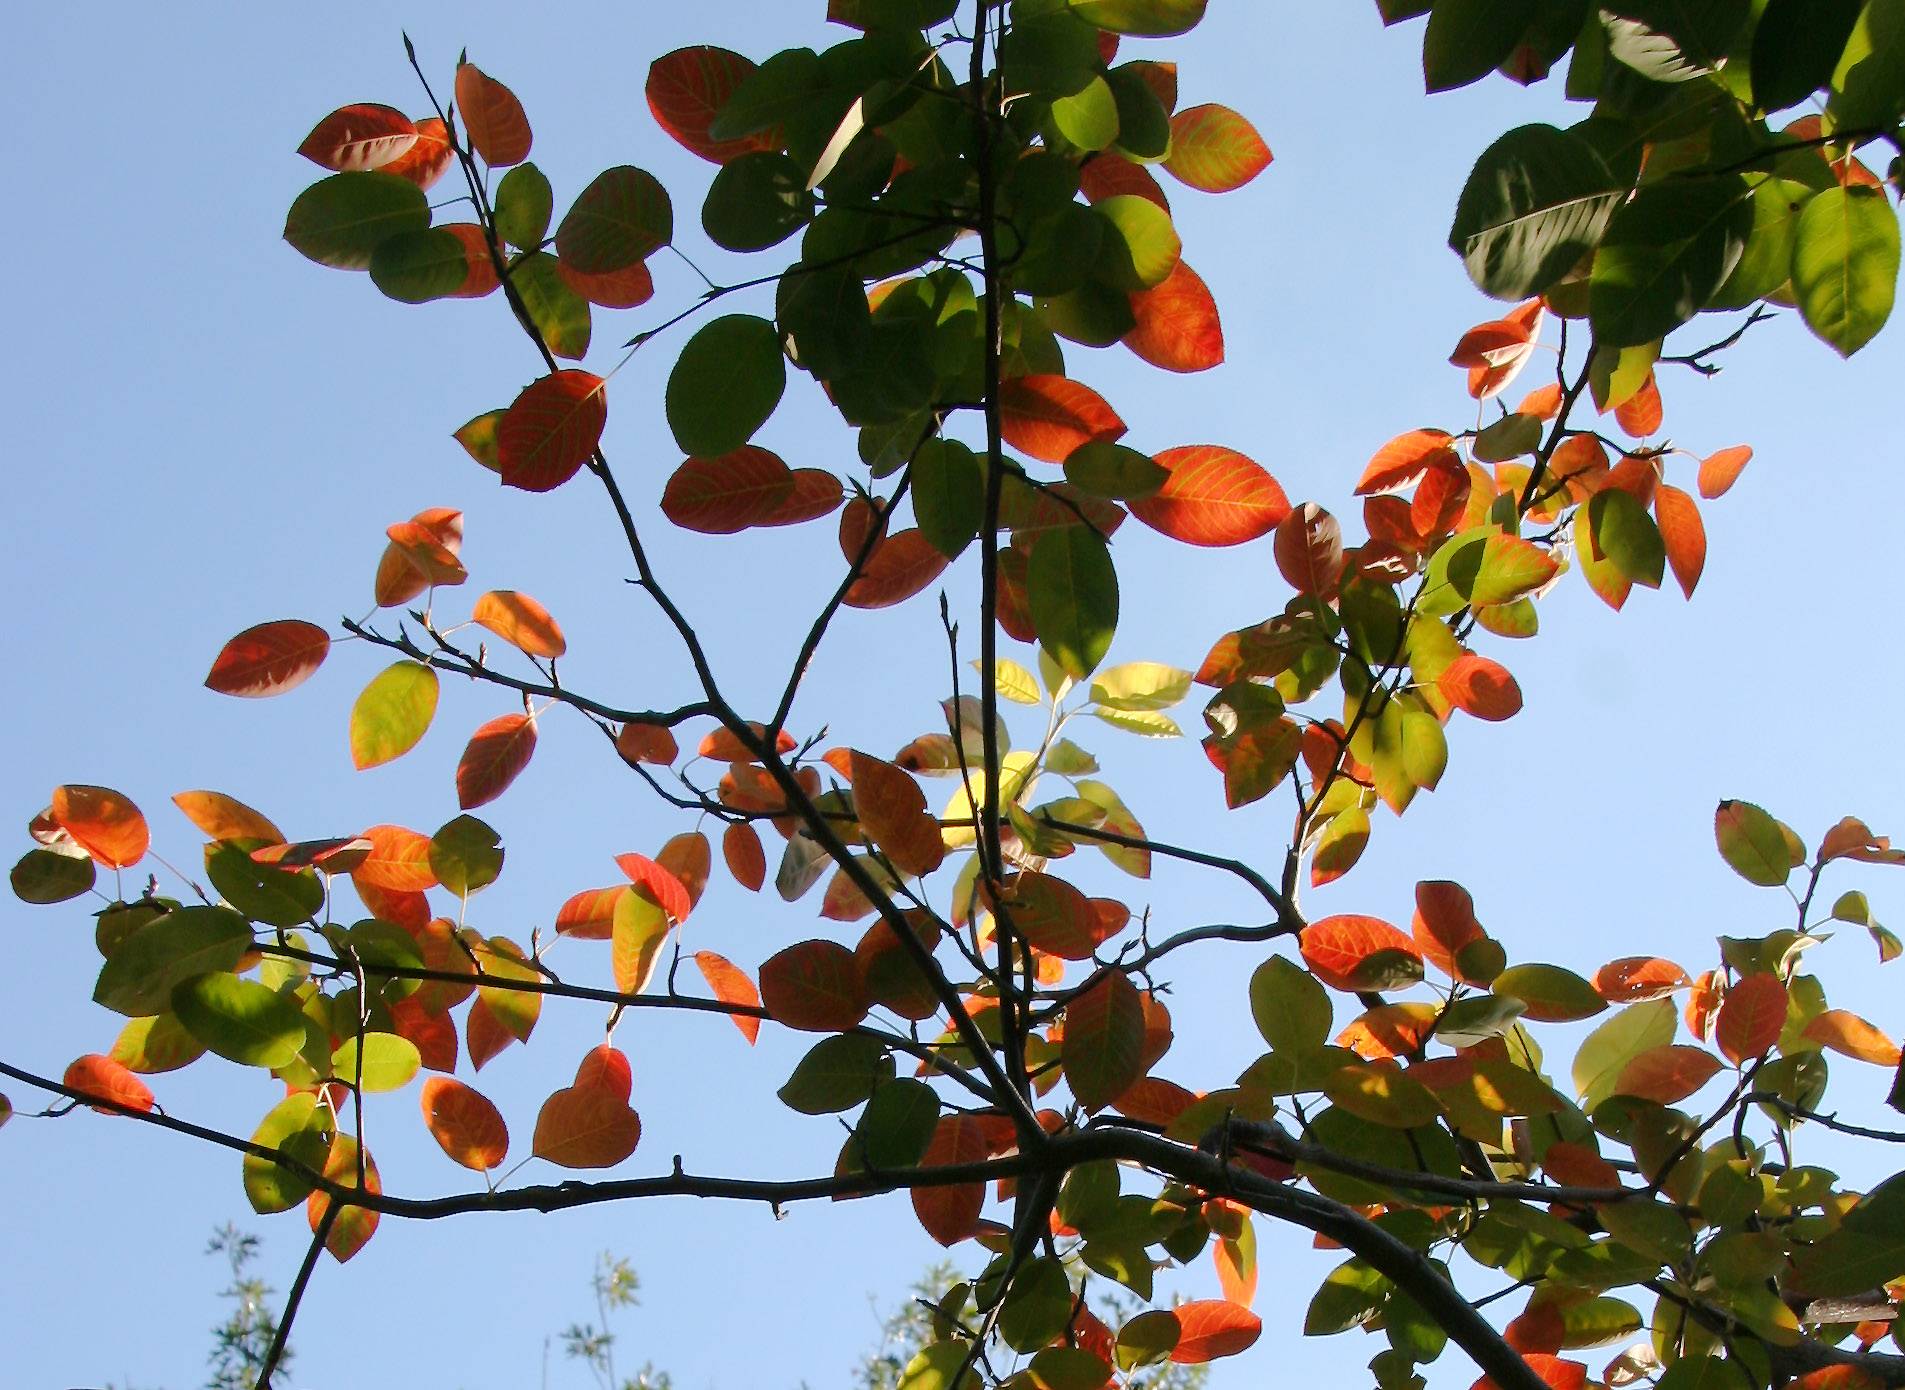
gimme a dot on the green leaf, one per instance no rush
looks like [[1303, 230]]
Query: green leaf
[[1152, 18], [524, 205], [393, 713], [1619, 529], [389, 1061], [1015, 683], [1537, 201], [340, 221], [1796, 48], [1038, 1306], [1144, 723], [1291, 1008], [44, 876], [837, 1074], [1550, 993], [1088, 118], [1349, 1297], [276, 897], [1072, 591], [939, 1367], [1141, 685], [417, 267], [1611, 1046], [1114, 471], [1142, 248], [466, 855], [1753, 843], [1144, 126], [757, 201], [299, 1126], [1868, 86], [725, 384], [1148, 1339], [239, 1020], [824, 311], [138, 977], [1845, 265], [897, 1124], [949, 499], [1468, 39], [1665, 255], [1767, 262], [560, 314], [621, 219]]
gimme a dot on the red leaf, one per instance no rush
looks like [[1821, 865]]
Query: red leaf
[[905, 563], [1108, 175], [719, 496], [590, 1124], [1703, 1001], [103, 823], [1103, 1048], [1752, 1017], [485, 1034], [464, 1123], [1667, 1074], [1215, 150], [1720, 471], [429, 159], [731, 986], [815, 494], [1576, 1165], [1359, 953], [1475, 685], [1154, 1100], [1049, 417], [741, 848], [1683, 533], [1401, 463], [498, 127], [950, 1214], [686, 91], [627, 288], [1214, 496], [1556, 1373], [433, 1034], [590, 914], [1177, 324], [1213, 1328], [1540, 1329], [892, 811], [815, 986], [398, 862], [1054, 916], [102, 1077], [366, 135], [1309, 549], [496, 753], [551, 429], [354, 1226], [1635, 979], [269, 659], [658, 884]]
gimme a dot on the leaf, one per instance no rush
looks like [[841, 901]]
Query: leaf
[[557, 310], [1851, 1036], [1666, 1075], [466, 855], [1405, 460], [741, 848], [240, 1020], [426, 161], [1753, 843], [494, 756], [141, 971], [1213, 1328], [301, 1128], [1175, 325], [1550, 993], [365, 135], [1215, 150], [719, 496], [1665, 255], [1845, 265], [393, 713], [1750, 1018], [269, 659], [437, 263], [1292, 1011], [724, 385], [892, 810], [1073, 592], [686, 90], [354, 1226], [621, 289], [225, 818], [1214, 497], [731, 985], [621, 219], [389, 1061], [902, 565], [465, 1124], [1353, 953], [341, 221], [551, 430], [1103, 1050], [1140, 246], [590, 1124], [1154, 18], [497, 126], [1480, 687], [1635, 978], [100, 1076], [399, 860], [1537, 201], [102, 822], [815, 986], [1682, 533], [1049, 417], [639, 930]]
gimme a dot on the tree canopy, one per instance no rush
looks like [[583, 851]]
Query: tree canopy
[[951, 209]]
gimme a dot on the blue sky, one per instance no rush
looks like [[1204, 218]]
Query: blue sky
[[207, 431]]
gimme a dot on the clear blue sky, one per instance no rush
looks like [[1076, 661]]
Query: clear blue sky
[[206, 431]]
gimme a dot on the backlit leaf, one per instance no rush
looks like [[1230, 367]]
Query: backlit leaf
[[1360, 953], [341, 221], [724, 385], [392, 714], [719, 496], [619, 220], [1156, 18], [1666, 1075], [741, 848], [551, 430], [1049, 416], [426, 161], [465, 1124], [1751, 1017], [1073, 592], [269, 659], [364, 135], [1682, 533], [1104, 1041], [521, 621], [100, 1076], [590, 1124], [686, 90], [1718, 472], [815, 986], [1215, 149], [1214, 497], [494, 756], [1851, 1036], [102, 822], [494, 118], [1845, 265], [1213, 1328], [1176, 325], [1753, 843], [1537, 201], [222, 817], [1480, 687], [730, 984], [240, 1020]]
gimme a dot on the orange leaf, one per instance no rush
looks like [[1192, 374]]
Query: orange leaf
[[1054, 916], [418, 545], [1177, 324], [433, 1034], [686, 91], [102, 1077], [647, 743], [1213, 1328], [816, 493], [403, 571], [1751, 1018], [951, 1213], [1543, 403], [1554, 1372], [1852, 838], [1576, 1165], [496, 753], [722, 495], [1154, 1100], [1837, 1378], [366, 135], [427, 160], [354, 1226], [464, 1123], [689, 857], [398, 862], [1848, 1034], [1703, 1001], [408, 909], [905, 563], [1720, 471], [731, 986], [1401, 463], [1444, 923], [1635, 979], [1683, 533], [1215, 150], [741, 848], [103, 823], [590, 914], [1640, 414], [1540, 1329], [1359, 953], [1667, 1074], [1490, 345], [627, 288], [659, 884], [551, 429], [1109, 175], [723, 746], [1214, 497], [269, 659], [1475, 685], [1309, 550], [498, 127], [1049, 417], [224, 818], [590, 1124], [521, 621], [485, 1034], [815, 986], [892, 811]]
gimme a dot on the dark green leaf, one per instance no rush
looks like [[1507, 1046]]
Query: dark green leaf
[[1797, 46], [1665, 254], [1537, 201], [1468, 39], [948, 494], [466, 855], [276, 897], [1073, 593], [240, 1020], [341, 220], [756, 201], [138, 977], [48, 876], [725, 384], [621, 219], [837, 1074], [417, 267]]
